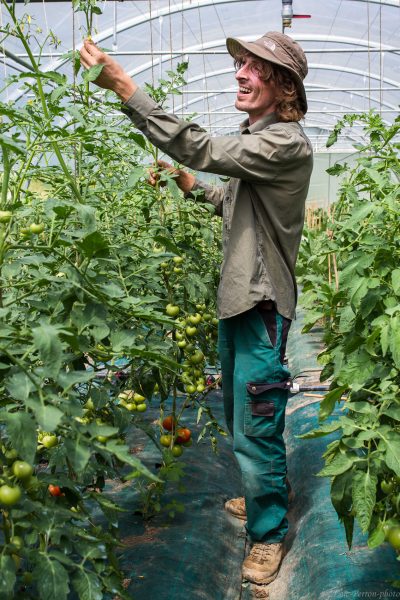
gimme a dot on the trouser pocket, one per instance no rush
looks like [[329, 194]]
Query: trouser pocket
[[264, 413]]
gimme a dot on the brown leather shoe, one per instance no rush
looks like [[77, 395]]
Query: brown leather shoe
[[262, 564], [237, 507]]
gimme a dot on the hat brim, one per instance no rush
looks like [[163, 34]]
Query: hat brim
[[235, 45]]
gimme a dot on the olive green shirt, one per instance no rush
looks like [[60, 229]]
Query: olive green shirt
[[262, 204]]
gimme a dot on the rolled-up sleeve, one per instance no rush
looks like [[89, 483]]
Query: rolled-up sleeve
[[257, 158]]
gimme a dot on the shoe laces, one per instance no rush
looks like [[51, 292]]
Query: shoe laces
[[261, 552]]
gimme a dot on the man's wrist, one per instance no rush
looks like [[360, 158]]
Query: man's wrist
[[125, 89]]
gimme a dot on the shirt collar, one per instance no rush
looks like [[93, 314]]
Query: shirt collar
[[259, 124]]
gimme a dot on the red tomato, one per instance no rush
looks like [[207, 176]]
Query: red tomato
[[169, 423], [55, 490], [183, 435]]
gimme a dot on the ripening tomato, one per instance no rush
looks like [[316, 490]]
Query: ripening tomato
[[55, 490], [183, 435], [169, 423], [165, 440]]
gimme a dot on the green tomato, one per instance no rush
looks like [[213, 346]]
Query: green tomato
[[387, 486], [49, 441], [182, 343], [200, 388], [5, 216], [138, 398], [190, 389], [393, 537], [178, 270], [131, 406], [196, 358], [177, 451], [165, 440], [36, 228], [141, 407], [178, 260], [101, 438], [172, 310], [11, 455], [194, 319], [9, 495], [89, 405], [22, 469], [191, 331], [17, 542]]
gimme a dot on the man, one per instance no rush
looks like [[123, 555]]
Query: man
[[262, 206]]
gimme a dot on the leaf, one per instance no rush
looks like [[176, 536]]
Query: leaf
[[392, 443], [51, 578], [122, 453], [321, 431], [376, 537], [348, 522], [341, 493], [20, 386], [393, 412], [347, 317], [364, 497], [93, 244], [385, 338], [7, 576], [328, 403], [332, 139], [78, 452], [87, 585], [92, 73], [396, 281], [340, 464], [21, 428], [394, 340], [12, 145], [49, 345], [48, 416]]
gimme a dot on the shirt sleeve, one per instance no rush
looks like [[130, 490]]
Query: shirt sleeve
[[259, 157], [212, 194]]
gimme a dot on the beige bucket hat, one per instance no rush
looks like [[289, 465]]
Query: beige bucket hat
[[279, 49]]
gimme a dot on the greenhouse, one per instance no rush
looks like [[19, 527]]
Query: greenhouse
[[199, 299]]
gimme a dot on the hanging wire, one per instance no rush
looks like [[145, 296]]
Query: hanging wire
[[4, 53], [47, 28], [151, 44], [170, 48], [369, 60], [74, 85], [206, 98], [182, 56], [381, 56]]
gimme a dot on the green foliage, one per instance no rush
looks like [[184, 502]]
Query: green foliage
[[82, 311], [360, 314]]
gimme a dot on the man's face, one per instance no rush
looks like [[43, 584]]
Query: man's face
[[255, 96]]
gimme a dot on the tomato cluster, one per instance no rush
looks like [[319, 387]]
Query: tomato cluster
[[177, 436]]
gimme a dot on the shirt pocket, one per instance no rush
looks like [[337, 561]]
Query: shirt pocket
[[264, 413]]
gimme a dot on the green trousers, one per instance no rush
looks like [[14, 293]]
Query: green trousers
[[256, 417]]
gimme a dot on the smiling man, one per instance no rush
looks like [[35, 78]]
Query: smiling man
[[262, 205]]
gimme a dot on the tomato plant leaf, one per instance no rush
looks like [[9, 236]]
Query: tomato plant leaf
[[92, 73], [339, 464], [20, 386], [396, 281], [394, 340], [47, 341], [392, 457], [87, 585], [376, 537], [7, 576], [47, 416], [325, 429], [78, 452], [122, 452], [51, 578], [328, 403], [364, 497], [21, 428]]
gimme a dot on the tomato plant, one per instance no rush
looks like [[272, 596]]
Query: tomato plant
[[91, 256], [349, 270]]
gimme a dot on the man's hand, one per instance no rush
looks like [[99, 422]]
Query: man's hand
[[184, 181], [112, 77]]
